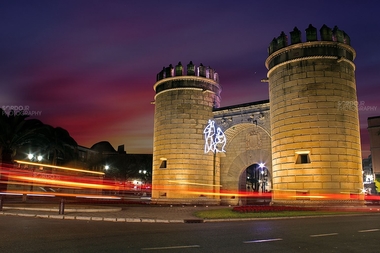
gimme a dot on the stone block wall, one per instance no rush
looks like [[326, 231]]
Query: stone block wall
[[182, 172], [315, 138]]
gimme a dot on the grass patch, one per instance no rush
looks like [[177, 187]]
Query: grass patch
[[227, 213]]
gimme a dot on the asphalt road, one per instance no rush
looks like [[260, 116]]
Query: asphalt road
[[324, 234]]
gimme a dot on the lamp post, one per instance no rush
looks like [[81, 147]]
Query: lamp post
[[143, 181], [34, 158], [262, 176]]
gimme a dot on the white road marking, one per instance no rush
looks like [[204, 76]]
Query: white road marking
[[264, 240], [369, 230], [321, 235], [173, 247]]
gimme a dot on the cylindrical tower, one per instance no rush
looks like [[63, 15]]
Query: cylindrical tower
[[182, 172], [314, 119]]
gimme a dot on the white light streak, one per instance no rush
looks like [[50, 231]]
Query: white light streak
[[369, 230], [264, 240], [322, 235]]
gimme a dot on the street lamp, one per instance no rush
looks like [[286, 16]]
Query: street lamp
[[262, 176], [32, 157], [263, 181]]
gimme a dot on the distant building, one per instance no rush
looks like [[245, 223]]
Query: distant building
[[368, 176], [374, 140], [117, 164]]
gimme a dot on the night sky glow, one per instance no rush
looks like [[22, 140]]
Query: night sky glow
[[90, 66]]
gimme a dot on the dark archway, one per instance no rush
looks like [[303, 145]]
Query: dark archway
[[254, 180]]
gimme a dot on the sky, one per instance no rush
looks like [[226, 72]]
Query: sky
[[89, 66]]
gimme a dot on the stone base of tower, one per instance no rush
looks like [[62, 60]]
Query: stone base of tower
[[320, 203], [307, 198], [186, 201], [229, 202]]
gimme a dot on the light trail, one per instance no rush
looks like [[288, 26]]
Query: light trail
[[264, 240], [323, 235], [369, 230], [60, 167]]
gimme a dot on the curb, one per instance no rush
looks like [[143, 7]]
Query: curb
[[93, 218], [84, 217], [56, 209], [150, 220]]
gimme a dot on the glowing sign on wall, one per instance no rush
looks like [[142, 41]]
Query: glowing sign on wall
[[215, 140]]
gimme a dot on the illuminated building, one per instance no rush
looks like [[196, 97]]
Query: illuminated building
[[302, 144], [184, 102], [374, 138], [314, 118]]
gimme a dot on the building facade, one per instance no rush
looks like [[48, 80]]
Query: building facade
[[184, 102], [302, 144], [315, 138], [374, 138]]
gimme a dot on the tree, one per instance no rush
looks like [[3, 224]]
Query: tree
[[59, 143], [16, 131]]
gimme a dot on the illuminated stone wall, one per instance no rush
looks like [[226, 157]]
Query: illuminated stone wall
[[314, 119], [374, 138], [182, 172], [307, 134], [247, 128]]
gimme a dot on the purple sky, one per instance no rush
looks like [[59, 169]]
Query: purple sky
[[90, 66]]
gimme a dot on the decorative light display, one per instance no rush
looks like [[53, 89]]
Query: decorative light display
[[215, 140]]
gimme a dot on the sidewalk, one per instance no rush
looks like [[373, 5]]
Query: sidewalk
[[133, 213], [126, 213]]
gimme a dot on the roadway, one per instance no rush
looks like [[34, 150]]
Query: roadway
[[359, 233]]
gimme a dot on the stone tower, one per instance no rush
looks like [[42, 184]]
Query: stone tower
[[182, 172], [316, 153]]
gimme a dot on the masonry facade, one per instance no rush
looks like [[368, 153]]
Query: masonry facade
[[374, 137], [306, 143], [315, 140]]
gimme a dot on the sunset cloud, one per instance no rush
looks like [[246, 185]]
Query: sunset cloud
[[90, 66]]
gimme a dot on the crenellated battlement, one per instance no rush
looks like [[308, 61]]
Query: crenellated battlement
[[326, 34], [333, 43], [191, 70]]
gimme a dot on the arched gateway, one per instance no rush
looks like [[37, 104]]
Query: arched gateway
[[247, 129], [185, 170], [304, 144]]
